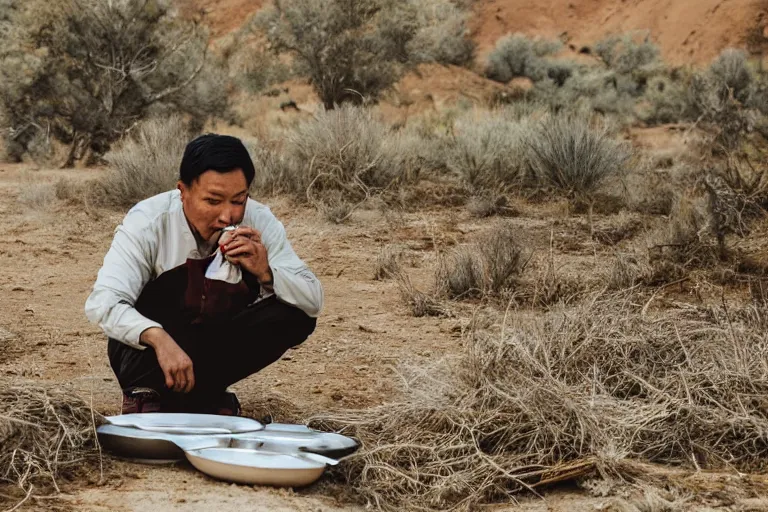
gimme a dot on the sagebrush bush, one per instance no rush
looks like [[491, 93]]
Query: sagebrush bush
[[488, 150], [624, 54], [668, 101], [724, 99], [442, 35], [568, 153], [144, 164], [340, 154], [731, 74], [517, 55]]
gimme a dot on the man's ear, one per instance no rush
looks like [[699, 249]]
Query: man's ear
[[181, 187]]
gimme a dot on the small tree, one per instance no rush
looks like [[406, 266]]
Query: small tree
[[339, 44], [85, 71]]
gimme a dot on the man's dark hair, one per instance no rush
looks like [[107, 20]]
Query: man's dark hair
[[220, 153]]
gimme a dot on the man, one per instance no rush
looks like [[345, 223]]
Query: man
[[179, 330]]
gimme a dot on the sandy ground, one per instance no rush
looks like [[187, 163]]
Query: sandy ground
[[50, 254]]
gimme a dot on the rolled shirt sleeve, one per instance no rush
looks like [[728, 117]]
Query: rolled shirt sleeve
[[126, 270]]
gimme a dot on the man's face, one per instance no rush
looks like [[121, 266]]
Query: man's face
[[214, 201]]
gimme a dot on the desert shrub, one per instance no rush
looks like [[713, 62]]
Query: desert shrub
[[490, 266], [487, 152], [724, 99], [625, 272], [625, 55], [730, 73], [668, 101], [262, 70], [517, 55], [85, 71], [142, 165], [37, 196], [335, 208], [419, 303], [547, 400], [252, 65], [343, 154], [460, 274], [337, 44], [568, 154], [442, 35]]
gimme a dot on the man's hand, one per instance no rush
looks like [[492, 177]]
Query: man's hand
[[175, 363], [246, 250]]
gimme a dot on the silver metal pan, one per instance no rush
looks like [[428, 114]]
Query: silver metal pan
[[149, 446], [283, 438], [257, 467], [186, 423]]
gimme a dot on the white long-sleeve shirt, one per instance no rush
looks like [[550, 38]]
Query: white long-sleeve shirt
[[154, 239]]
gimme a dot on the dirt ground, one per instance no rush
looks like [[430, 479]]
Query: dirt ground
[[50, 253]]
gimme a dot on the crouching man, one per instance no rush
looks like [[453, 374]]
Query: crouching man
[[190, 308]]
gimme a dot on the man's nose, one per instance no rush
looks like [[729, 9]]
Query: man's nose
[[227, 216]]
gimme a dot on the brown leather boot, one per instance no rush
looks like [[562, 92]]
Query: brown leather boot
[[137, 400]]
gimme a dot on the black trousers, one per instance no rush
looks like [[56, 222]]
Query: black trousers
[[221, 354]]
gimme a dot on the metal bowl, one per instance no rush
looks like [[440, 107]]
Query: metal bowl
[[186, 423], [283, 438], [256, 467], [147, 446]]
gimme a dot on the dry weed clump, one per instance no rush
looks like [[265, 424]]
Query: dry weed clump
[[143, 165], [569, 153], [685, 242], [38, 196], [558, 397], [388, 262], [46, 435], [345, 152], [488, 152], [490, 204], [420, 303], [490, 267]]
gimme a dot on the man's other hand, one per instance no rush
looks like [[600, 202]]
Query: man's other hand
[[175, 363]]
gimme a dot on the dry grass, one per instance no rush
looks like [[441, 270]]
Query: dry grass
[[46, 435], [488, 150], [420, 303], [488, 205], [38, 196], [143, 165], [559, 397], [576, 157], [342, 154], [489, 267], [684, 242], [388, 263]]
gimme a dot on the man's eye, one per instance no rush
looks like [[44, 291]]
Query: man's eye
[[239, 203], [213, 201]]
